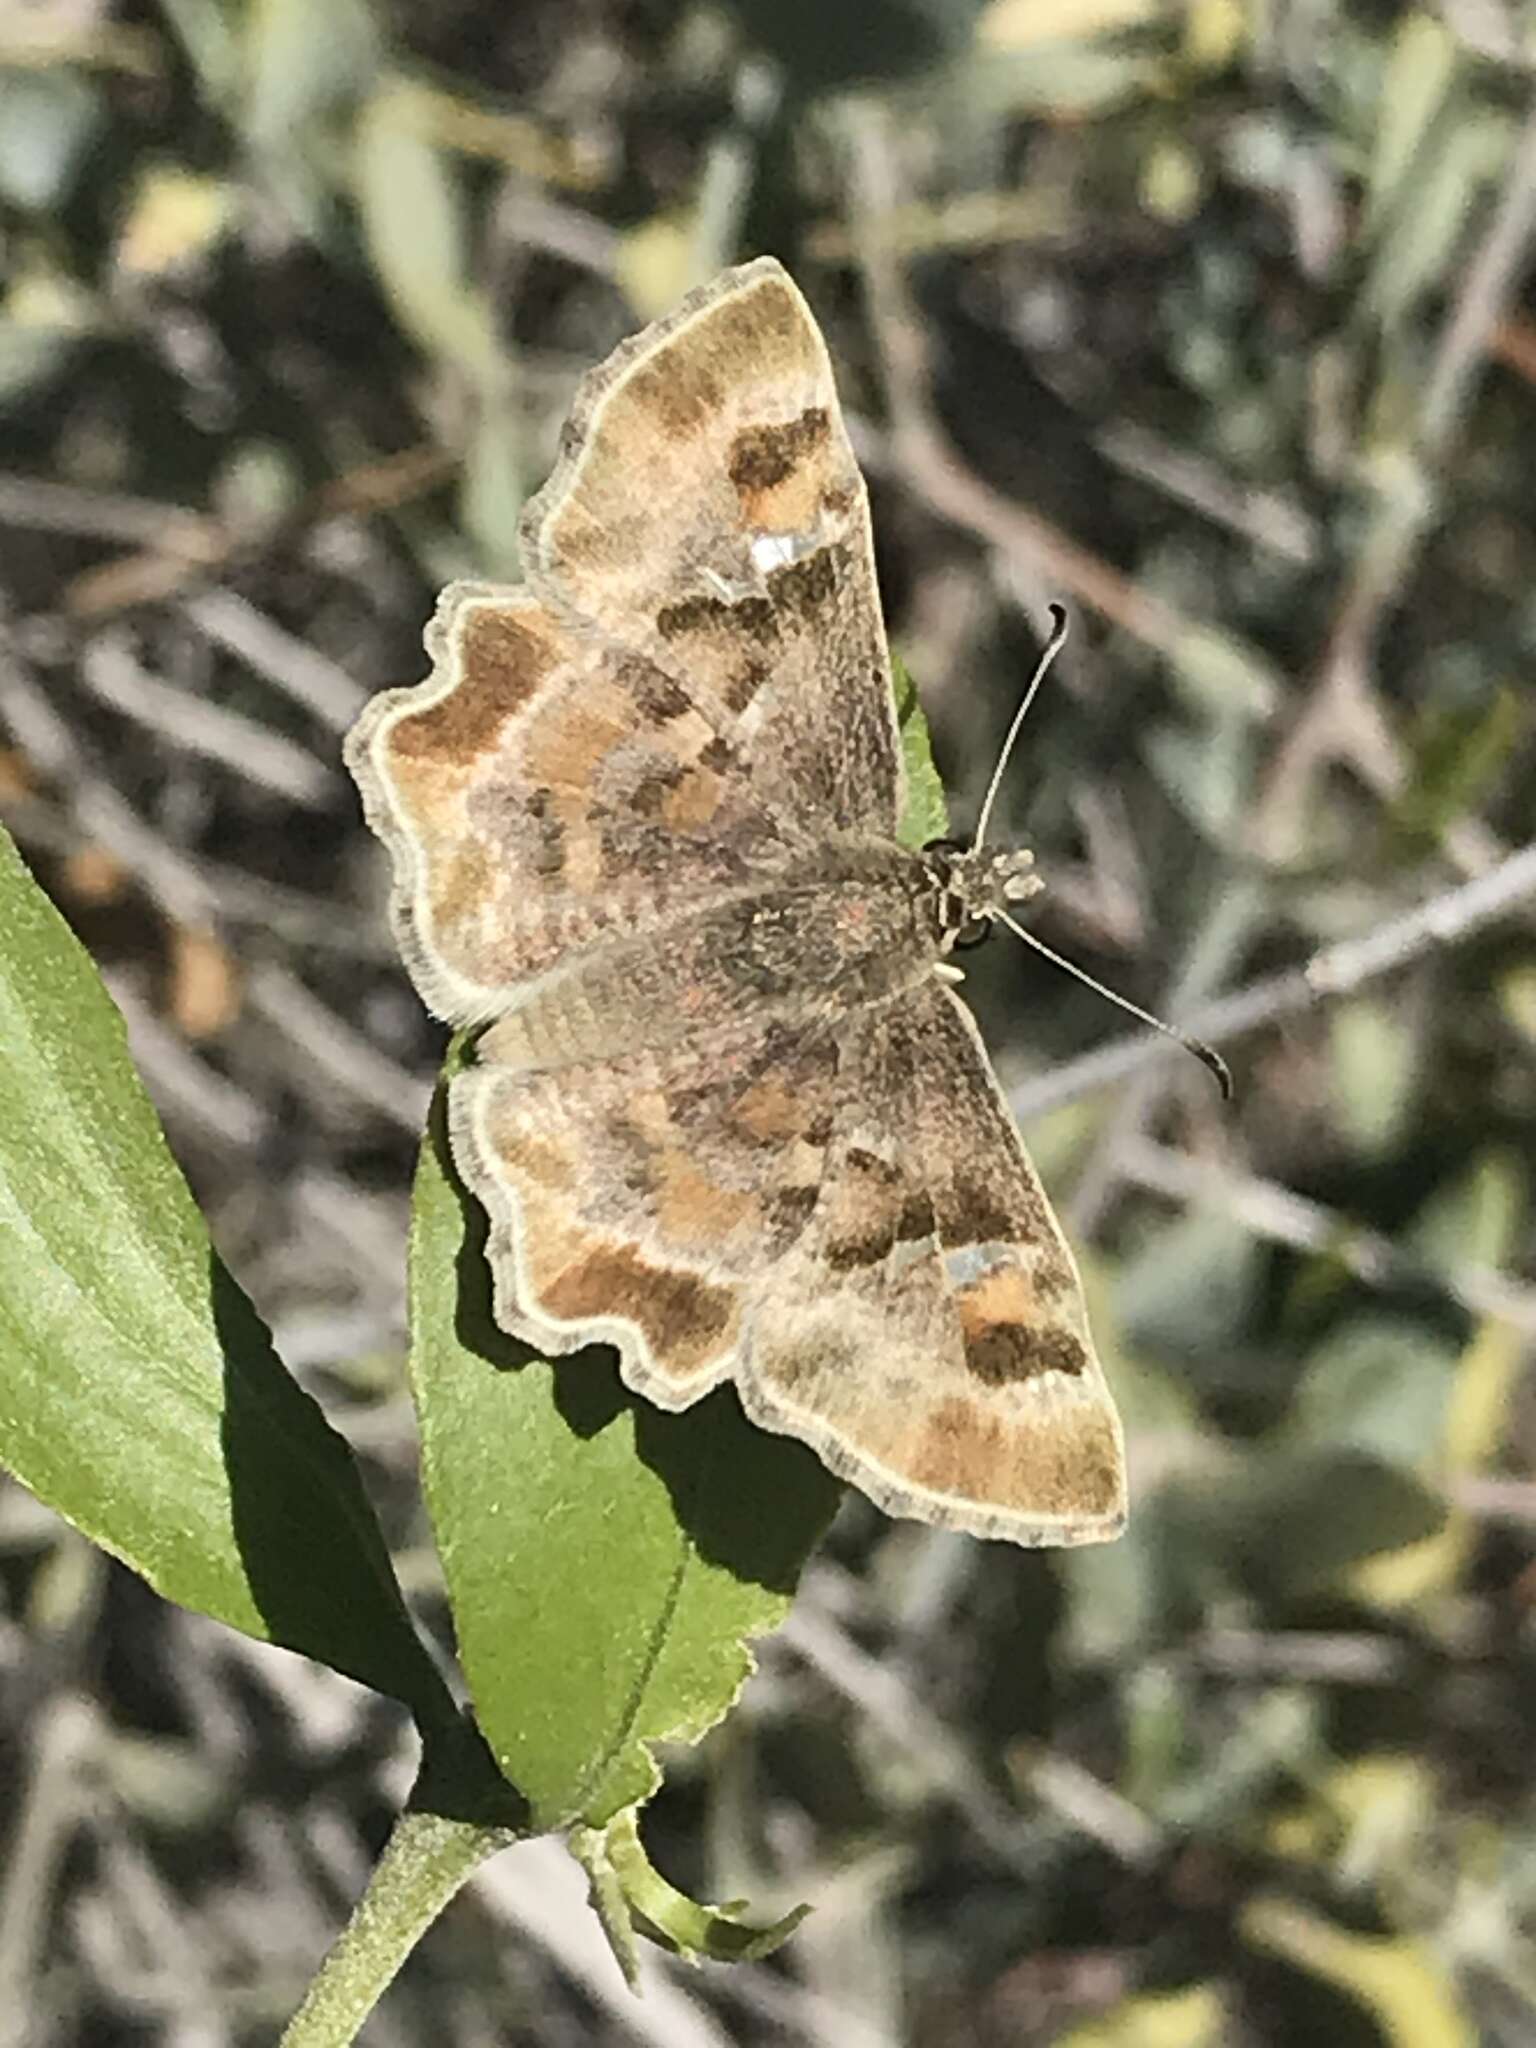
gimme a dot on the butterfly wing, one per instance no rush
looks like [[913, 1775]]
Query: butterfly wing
[[707, 512], [538, 792], [843, 1219], [692, 686], [927, 1333]]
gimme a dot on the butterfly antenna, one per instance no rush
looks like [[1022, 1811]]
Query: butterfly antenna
[[1207, 1055], [1047, 656]]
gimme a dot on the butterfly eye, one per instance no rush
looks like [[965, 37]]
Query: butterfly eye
[[971, 934]]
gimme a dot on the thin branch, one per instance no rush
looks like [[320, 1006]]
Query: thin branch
[[39, 505], [183, 1084], [301, 671], [337, 1051], [1333, 971], [888, 1701], [195, 725], [1276, 1213], [98, 810]]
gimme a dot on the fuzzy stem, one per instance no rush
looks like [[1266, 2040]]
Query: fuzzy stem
[[427, 1859]]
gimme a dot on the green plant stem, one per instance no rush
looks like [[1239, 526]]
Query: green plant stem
[[427, 1859]]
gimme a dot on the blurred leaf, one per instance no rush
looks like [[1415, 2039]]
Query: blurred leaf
[[1217, 673], [208, 33], [1297, 1519], [655, 264], [1382, 1384], [1159, 1705], [1024, 24], [1375, 1070], [302, 62], [258, 484], [1487, 1374], [493, 490], [1215, 32], [1174, 182], [1420, 243], [1516, 992], [1249, 1760], [43, 317], [1476, 1218], [1475, 1418], [1069, 80], [174, 217], [47, 121], [1401, 1984], [1113, 1589], [413, 218], [1458, 753], [141, 1398], [1417, 84], [1389, 1386], [605, 1562], [1188, 1289], [826, 48], [1195, 2017], [1360, 1820], [1207, 782]]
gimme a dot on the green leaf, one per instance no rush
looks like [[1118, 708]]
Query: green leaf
[[302, 63], [1380, 1384], [1416, 92], [1376, 1071], [1459, 752], [926, 815], [414, 220], [1295, 1520], [140, 1396], [605, 1562]]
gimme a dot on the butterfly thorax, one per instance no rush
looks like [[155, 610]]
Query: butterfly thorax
[[855, 921]]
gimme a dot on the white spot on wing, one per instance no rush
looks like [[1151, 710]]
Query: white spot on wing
[[772, 551], [967, 1263]]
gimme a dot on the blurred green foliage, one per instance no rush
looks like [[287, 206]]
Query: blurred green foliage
[[1214, 322]]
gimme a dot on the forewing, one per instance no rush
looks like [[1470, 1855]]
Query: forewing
[[692, 689], [540, 790], [707, 512]]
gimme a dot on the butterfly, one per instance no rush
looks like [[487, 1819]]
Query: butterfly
[[726, 1111]]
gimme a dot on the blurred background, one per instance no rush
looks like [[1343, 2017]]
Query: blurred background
[[1214, 322]]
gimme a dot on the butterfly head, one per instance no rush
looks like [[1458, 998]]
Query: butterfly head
[[975, 885]]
